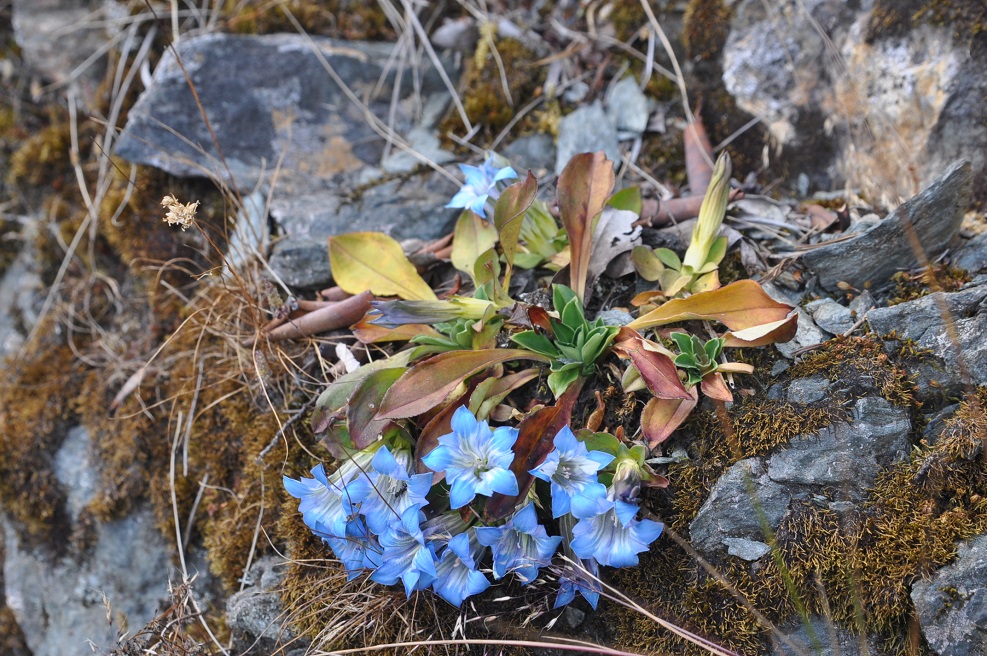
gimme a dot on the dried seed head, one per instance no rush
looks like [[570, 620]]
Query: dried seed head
[[180, 214]]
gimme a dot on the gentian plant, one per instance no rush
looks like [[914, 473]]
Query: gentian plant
[[444, 477]]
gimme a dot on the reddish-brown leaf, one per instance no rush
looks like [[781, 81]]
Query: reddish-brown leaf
[[509, 213], [715, 387], [657, 369], [536, 435], [428, 383], [584, 186], [661, 417]]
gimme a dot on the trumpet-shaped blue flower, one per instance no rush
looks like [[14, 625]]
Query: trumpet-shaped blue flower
[[585, 583], [475, 459], [614, 537], [481, 184], [326, 501], [388, 489], [406, 556], [357, 551], [521, 545], [456, 575], [571, 469]]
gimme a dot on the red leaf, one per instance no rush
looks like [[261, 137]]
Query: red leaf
[[657, 369]]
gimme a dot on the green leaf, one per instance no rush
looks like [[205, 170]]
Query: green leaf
[[372, 260], [572, 314], [561, 296], [713, 348], [668, 257], [646, 263], [486, 268], [716, 252], [428, 383], [502, 387], [364, 423], [559, 381], [683, 341], [337, 395], [583, 188], [536, 342], [627, 199], [471, 237], [604, 442]]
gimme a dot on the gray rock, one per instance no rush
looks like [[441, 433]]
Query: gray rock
[[251, 232], [844, 456], [535, 152], [808, 390], [58, 37], [736, 505], [586, 130], [922, 320], [935, 215], [74, 470], [841, 460], [301, 263], [821, 637], [952, 605], [628, 108], [615, 317], [60, 602], [404, 208], [937, 422], [830, 315], [972, 256], [807, 333], [749, 550], [862, 303], [255, 614], [796, 81], [266, 97]]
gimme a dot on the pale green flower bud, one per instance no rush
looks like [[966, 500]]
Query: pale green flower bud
[[711, 214]]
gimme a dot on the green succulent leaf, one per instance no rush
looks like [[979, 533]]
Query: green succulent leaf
[[536, 342]]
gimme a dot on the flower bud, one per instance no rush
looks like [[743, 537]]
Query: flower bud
[[627, 481], [711, 214]]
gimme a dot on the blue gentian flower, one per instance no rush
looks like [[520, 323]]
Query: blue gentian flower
[[327, 501], [520, 546], [614, 538], [456, 576], [406, 556], [475, 459], [388, 489], [481, 184], [576, 580], [357, 551], [571, 469]]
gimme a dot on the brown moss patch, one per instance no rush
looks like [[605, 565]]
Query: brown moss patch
[[339, 19], [940, 277], [35, 411], [860, 364], [967, 18], [482, 88], [705, 29]]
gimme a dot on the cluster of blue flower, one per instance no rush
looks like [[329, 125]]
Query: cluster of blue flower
[[370, 512]]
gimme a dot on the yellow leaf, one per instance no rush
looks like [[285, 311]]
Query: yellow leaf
[[472, 237], [739, 305], [372, 260]]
